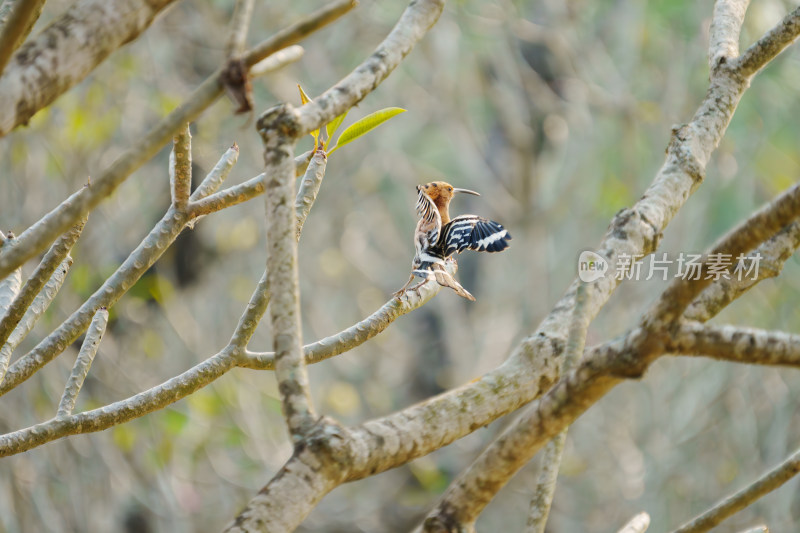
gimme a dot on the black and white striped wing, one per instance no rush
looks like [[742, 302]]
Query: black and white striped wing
[[473, 233], [430, 219]]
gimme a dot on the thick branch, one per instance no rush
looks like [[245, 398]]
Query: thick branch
[[726, 24], [298, 487], [18, 25], [275, 127], [66, 51]]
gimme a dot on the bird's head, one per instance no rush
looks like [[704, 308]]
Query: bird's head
[[442, 192]]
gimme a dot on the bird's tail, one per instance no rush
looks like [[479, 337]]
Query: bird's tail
[[445, 279]]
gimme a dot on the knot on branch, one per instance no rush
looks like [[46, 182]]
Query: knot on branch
[[329, 442], [680, 149], [629, 223], [444, 522], [236, 81], [279, 124]]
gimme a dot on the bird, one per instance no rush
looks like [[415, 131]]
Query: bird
[[438, 237]]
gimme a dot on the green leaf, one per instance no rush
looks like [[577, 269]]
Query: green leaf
[[334, 124], [360, 127]]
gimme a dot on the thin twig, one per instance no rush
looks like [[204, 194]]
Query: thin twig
[[309, 188], [278, 60], [242, 192], [758, 228], [9, 288], [218, 174], [745, 497], [355, 335], [773, 255], [770, 45], [735, 343], [57, 221], [240, 22], [83, 363], [52, 259], [180, 168], [33, 313], [551, 460], [299, 30]]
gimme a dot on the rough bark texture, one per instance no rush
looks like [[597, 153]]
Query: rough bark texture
[[66, 51]]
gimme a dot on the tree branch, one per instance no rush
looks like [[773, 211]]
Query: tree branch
[[735, 343], [774, 253], [16, 28], [298, 487], [180, 168], [157, 397], [35, 310], [770, 45], [414, 23], [217, 176], [149, 250], [275, 128], [56, 222], [745, 497], [52, 259], [240, 21], [551, 461], [83, 363], [758, 228], [356, 334], [278, 60], [9, 285], [726, 23], [309, 188], [67, 55]]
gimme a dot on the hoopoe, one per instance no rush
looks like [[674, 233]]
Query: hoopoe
[[438, 237]]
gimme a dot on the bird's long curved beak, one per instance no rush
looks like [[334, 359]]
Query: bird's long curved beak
[[456, 189]]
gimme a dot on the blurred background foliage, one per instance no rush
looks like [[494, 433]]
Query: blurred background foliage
[[559, 114]]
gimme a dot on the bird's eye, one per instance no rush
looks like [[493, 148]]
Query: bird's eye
[[450, 189]]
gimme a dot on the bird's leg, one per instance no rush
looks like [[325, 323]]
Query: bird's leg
[[399, 293], [417, 287]]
